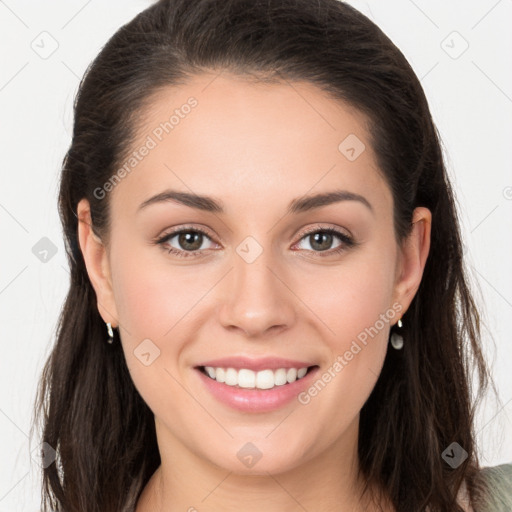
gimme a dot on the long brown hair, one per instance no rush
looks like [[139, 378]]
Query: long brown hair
[[93, 416]]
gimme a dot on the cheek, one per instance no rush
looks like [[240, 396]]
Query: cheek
[[155, 303], [350, 298], [151, 298], [353, 303], [159, 307]]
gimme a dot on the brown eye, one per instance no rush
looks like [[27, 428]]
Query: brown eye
[[185, 242], [321, 241], [190, 240]]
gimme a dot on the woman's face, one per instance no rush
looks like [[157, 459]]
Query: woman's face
[[264, 288]]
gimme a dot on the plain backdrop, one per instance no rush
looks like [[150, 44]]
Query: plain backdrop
[[461, 51]]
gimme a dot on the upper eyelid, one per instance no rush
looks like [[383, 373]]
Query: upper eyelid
[[184, 229], [341, 231]]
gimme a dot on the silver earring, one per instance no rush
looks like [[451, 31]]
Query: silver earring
[[110, 333], [397, 340]]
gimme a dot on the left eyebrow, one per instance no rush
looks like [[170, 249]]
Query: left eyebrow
[[306, 203], [298, 205]]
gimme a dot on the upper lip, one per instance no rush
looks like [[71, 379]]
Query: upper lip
[[271, 363]]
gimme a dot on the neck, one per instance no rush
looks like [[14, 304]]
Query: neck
[[326, 483]]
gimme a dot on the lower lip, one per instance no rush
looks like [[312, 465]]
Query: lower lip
[[256, 400]]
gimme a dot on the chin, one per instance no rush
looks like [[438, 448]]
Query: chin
[[257, 458]]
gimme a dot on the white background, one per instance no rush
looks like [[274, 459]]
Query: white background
[[471, 102]]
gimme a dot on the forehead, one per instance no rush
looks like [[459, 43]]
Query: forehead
[[226, 136]]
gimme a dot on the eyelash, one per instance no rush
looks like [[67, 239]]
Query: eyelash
[[347, 241]]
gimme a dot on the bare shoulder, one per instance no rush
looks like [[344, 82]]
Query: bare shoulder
[[466, 507], [463, 499]]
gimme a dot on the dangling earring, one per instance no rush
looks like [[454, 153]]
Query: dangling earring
[[110, 333], [397, 340]]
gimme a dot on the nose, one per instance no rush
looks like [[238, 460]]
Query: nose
[[258, 299]]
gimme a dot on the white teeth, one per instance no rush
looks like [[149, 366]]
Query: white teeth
[[264, 379], [280, 377], [291, 375], [219, 374], [246, 378], [231, 377]]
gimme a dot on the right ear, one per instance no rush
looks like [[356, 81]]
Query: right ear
[[97, 264]]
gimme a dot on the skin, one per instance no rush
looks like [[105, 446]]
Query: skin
[[255, 148]]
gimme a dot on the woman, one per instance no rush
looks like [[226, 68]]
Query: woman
[[268, 305]]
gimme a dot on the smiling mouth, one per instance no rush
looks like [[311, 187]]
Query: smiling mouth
[[249, 379]]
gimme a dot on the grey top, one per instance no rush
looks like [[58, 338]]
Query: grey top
[[499, 479]]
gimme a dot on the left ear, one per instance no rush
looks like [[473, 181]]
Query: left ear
[[412, 258]]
